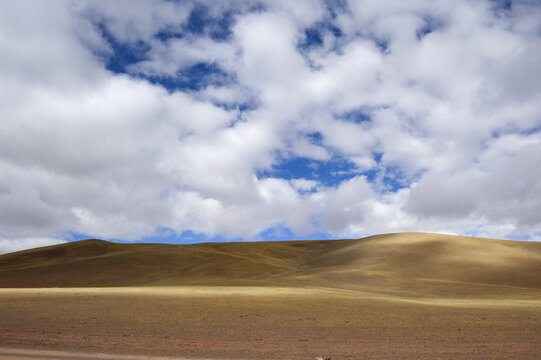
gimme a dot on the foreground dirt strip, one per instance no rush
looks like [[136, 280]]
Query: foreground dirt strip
[[33, 354]]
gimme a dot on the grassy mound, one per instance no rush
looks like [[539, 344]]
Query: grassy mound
[[416, 264]]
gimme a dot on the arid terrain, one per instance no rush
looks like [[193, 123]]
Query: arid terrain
[[397, 296]]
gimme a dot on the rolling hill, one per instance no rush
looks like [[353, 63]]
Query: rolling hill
[[405, 264]]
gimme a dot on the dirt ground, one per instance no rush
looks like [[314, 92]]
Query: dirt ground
[[263, 323], [34, 354]]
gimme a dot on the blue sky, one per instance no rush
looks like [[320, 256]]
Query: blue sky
[[191, 121]]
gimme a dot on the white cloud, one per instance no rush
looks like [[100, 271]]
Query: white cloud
[[450, 92], [303, 184], [166, 59], [12, 245], [134, 20]]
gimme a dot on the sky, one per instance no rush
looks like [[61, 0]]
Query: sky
[[191, 121]]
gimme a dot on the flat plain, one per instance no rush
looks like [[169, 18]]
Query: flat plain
[[396, 296]]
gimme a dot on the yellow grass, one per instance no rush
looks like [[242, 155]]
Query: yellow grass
[[409, 264], [267, 292]]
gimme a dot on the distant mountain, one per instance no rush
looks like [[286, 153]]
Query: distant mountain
[[416, 264]]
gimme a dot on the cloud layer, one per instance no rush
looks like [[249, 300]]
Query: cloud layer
[[135, 119]]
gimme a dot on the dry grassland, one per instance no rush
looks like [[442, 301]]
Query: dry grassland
[[412, 296]]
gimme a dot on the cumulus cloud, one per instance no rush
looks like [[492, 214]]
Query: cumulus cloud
[[12, 245], [123, 119]]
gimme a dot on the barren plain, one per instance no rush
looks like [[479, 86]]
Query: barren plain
[[396, 296]]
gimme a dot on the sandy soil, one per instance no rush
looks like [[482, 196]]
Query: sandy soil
[[265, 323]]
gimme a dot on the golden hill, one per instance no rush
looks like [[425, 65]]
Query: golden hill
[[406, 264]]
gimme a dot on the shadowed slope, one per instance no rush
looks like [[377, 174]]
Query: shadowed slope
[[415, 264], [102, 263]]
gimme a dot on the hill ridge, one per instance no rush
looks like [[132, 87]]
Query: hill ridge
[[397, 263]]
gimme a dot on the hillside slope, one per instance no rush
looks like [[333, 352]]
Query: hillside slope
[[416, 264]]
